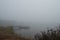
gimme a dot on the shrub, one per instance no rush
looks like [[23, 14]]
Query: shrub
[[49, 35]]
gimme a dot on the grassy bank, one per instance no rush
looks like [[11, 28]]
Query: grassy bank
[[7, 33]]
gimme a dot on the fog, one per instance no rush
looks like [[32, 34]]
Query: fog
[[31, 12]]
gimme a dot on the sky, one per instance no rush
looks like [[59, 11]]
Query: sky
[[30, 10]]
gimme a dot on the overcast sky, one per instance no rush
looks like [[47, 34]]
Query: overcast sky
[[30, 10]]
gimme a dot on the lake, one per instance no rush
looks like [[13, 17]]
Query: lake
[[34, 28]]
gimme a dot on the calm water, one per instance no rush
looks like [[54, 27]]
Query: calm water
[[34, 28]]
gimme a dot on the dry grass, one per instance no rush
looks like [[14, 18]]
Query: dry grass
[[7, 33]]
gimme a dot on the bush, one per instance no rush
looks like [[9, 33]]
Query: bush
[[49, 35]]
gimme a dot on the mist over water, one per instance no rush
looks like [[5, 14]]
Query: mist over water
[[37, 14]]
